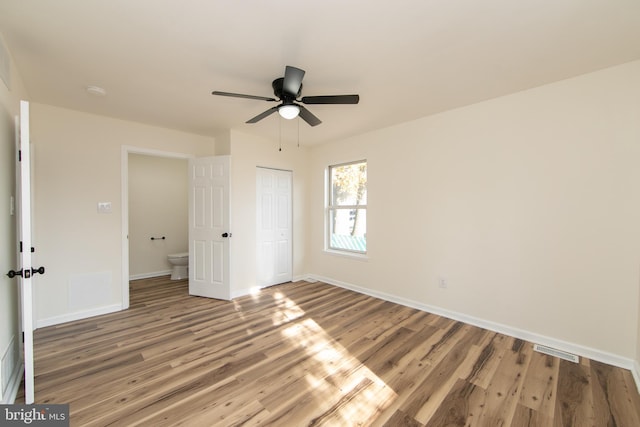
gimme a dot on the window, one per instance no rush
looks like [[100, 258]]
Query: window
[[347, 207]]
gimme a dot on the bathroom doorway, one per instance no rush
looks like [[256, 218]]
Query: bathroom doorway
[[154, 212]]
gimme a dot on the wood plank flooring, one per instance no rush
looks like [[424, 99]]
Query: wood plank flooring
[[311, 354]]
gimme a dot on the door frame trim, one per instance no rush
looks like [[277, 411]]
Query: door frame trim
[[124, 173]]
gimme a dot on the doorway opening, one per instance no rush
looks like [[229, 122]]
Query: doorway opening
[[125, 160]]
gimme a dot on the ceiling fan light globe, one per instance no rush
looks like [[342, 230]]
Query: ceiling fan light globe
[[289, 111]]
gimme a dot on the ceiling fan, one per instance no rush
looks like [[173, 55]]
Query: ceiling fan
[[287, 89]]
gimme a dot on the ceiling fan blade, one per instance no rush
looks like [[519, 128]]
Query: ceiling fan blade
[[261, 116], [239, 95], [292, 81], [308, 116], [331, 99]]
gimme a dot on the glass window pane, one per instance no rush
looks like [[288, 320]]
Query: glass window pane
[[349, 184], [348, 229]]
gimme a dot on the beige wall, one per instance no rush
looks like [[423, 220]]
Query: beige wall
[[158, 207], [247, 153], [9, 326], [78, 161], [527, 204]]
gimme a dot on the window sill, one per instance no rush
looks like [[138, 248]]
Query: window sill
[[346, 254]]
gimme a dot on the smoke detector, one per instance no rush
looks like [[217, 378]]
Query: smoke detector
[[96, 91]]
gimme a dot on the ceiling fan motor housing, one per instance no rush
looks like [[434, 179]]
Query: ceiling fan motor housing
[[278, 91]]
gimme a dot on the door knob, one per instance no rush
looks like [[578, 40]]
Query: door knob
[[226, 234], [13, 273], [27, 273]]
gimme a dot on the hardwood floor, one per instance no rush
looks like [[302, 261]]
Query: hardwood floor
[[311, 354]]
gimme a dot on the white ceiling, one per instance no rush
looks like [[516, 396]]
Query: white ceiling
[[159, 60]]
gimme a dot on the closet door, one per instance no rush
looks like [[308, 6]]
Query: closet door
[[274, 226]]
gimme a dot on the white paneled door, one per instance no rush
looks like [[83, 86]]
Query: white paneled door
[[274, 226], [209, 233]]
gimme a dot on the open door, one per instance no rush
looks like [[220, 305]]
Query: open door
[[25, 271], [209, 232]]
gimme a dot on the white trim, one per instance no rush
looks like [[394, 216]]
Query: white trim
[[14, 385], [635, 371], [79, 315], [252, 290], [358, 256], [12, 353], [124, 191], [328, 207], [149, 275], [237, 293], [157, 153], [591, 353]]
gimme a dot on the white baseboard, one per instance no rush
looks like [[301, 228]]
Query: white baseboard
[[149, 275], [237, 293], [580, 350], [78, 315], [636, 374], [14, 385], [10, 362]]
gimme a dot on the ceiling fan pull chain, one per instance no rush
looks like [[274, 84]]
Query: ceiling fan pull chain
[[280, 134]]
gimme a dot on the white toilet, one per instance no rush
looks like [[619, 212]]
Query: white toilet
[[180, 263]]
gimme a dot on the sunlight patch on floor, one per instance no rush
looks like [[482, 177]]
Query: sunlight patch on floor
[[347, 390], [288, 310]]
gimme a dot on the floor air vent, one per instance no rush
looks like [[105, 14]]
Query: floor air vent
[[557, 353]]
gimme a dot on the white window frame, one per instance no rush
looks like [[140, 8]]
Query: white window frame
[[329, 208]]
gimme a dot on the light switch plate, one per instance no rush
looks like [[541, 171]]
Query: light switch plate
[[104, 207]]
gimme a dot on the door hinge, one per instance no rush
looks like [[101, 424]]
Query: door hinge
[[32, 248], [19, 155], [23, 337]]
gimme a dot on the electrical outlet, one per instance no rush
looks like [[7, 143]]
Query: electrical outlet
[[442, 282]]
